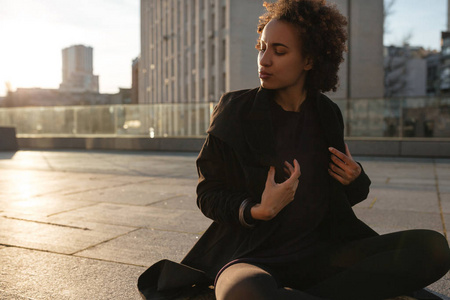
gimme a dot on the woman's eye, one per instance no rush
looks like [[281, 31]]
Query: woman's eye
[[279, 53]]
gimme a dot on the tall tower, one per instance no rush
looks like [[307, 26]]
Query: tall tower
[[448, 15], [361, 75], [195, 50], [77, 71]]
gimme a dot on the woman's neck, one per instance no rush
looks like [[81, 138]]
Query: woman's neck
[[290, 100]]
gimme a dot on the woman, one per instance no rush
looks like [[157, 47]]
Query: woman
[[279, 183]]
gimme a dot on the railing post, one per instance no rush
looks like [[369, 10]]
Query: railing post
[[401, 117], [116, 123], [75, 121]]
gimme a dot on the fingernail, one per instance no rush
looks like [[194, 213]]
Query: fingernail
[[330, 148]]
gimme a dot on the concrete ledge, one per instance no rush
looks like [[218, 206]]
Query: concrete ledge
[[428, 149], [374, 147], [406, 147], [358, 146], [112, 143], [8, 140]]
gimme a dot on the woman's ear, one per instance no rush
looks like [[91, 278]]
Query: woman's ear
[[309, 64]]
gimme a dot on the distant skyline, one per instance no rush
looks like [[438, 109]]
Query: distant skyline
[[33, 34]]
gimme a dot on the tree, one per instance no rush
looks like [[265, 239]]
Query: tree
[[388, 11]]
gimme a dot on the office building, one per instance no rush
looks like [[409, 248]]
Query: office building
[[77, 70]]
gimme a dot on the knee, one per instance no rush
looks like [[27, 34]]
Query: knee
[[436, 245], [236, 283]]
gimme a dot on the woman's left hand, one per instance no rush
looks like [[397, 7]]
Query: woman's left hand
[[343, 168]]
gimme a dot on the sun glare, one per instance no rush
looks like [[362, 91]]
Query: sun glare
[[32, 55], [29, 63]]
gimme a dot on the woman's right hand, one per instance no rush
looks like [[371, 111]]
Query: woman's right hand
[[277, 195]]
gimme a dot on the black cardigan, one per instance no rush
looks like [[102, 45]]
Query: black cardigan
[[233, 166]]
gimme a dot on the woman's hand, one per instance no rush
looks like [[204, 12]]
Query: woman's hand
[[343, 168], [277, 195]]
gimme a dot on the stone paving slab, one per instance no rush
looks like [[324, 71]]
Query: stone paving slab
[[4, 295], [43, 206], [401, 199], [142, 193], [442, 287], [76, 223], [444, 185], [49, 237], [43, 183], [389, 221], [185, 202], [445, 203], [43, 275], [144, 247], [139, 216]]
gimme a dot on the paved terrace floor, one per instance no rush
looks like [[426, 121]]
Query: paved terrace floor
[[84, 225]]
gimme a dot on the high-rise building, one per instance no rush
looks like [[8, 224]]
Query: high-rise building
[[194, 50], [448, 15], [135, 81], [361, 74], [77, 71]]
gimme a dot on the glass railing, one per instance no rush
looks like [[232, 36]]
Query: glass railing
[[157, 120], [396, 117]]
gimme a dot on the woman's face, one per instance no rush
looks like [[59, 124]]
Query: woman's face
[[281, 64]]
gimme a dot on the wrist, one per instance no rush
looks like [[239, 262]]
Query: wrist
[[259, 213]]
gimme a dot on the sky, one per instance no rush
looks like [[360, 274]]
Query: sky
[[33, 33]]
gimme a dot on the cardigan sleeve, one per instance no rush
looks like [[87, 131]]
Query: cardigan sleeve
[[221, 186], [357, 190]]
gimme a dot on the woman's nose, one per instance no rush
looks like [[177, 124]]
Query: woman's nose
[[264, 58]]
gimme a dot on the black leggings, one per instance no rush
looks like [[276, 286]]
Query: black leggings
[[374, 268]]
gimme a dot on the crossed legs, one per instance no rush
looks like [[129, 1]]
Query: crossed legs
[[374, 268]]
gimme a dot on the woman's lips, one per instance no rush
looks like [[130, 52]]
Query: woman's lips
[[264, 75]]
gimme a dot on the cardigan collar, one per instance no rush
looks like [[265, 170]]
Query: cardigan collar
[[259, 133], [243, 121]]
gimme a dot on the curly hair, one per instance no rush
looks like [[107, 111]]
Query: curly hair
[[323, 35]]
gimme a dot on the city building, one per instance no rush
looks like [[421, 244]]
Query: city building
[[77, 70], [361, 74], [405, 71], [135, 81], [433, 75], [79, 86], [193, 51], [444, 80]]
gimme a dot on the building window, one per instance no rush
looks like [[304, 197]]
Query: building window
[[212, 85], [193, 88], [202, 90], [446, 51], [202, 57], [224, 16], [224, 49], [194, 33], [224, 82]]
